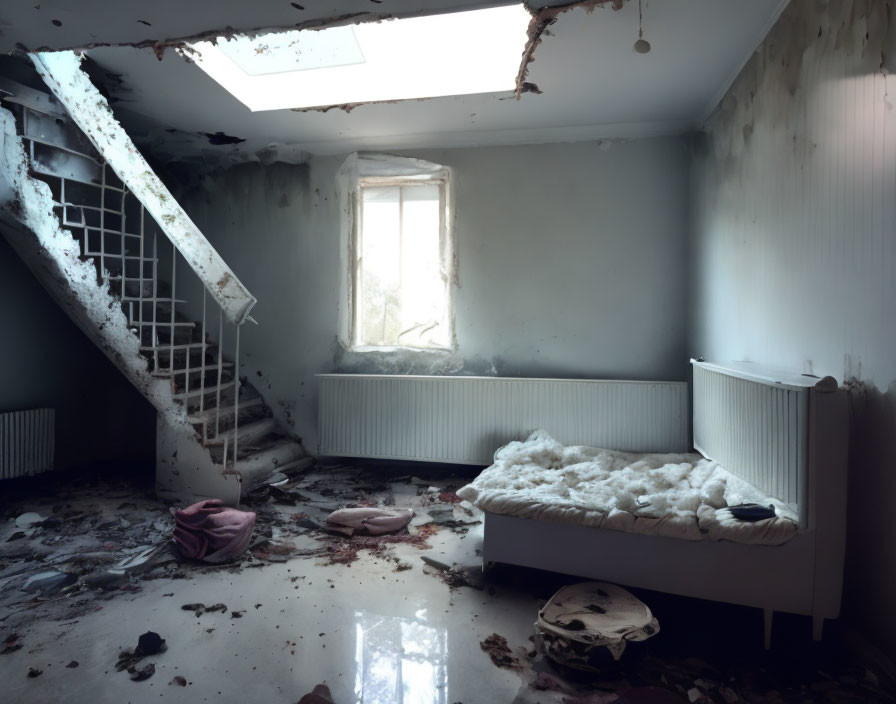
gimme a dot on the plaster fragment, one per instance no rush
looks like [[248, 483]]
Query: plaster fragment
[[542, 19]]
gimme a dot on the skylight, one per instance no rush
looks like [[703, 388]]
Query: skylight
[[421, 57]]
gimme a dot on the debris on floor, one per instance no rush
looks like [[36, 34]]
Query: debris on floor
[[319, 695], [373, 521], [200, 609], [500, 653], [212, 532], [84, 544], [456, 576], [150, 643], [64, 551], [584, 623], [142, 673]]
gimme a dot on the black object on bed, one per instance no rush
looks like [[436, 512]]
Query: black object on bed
[[752, 512]]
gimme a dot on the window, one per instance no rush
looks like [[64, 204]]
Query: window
[[400, 251]]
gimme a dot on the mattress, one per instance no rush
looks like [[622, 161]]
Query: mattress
[[674, 495]]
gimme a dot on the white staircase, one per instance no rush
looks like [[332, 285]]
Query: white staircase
[[110, 243]]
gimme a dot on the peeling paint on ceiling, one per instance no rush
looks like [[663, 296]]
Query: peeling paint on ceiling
[[586, 84]]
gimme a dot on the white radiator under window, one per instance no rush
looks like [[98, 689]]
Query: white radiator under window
[[27, 442], [465, 419]]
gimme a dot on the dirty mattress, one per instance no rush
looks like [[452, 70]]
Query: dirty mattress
[[673, 495]]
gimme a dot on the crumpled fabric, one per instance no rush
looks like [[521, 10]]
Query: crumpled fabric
[[375, 521], [212, 532]]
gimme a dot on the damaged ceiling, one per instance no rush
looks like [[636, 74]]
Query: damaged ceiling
[[69, 24], [593, 85]]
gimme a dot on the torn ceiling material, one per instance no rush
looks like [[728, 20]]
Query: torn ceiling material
[[71, 24], [595, 87], [369, 62], [542, 19]]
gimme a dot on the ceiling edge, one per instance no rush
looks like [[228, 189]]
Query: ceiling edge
[[502, 137], [754, 45]]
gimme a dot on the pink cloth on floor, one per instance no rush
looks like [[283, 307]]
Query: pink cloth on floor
[[211, 531]]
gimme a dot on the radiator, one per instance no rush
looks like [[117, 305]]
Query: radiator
[[465, 419], [755, 426], [26, 442]]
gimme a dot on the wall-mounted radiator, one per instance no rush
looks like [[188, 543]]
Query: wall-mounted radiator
[[465, 419], [26, 442], [757, 425]]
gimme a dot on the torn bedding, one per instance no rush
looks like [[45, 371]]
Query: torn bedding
[[672, 495]]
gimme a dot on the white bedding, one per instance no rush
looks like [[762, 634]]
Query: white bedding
[[674, 495]]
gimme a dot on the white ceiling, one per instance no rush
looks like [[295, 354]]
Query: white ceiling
[[594, 86]]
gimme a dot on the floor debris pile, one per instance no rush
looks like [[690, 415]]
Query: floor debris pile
[[329, 547], [584, 624], [64, 553]]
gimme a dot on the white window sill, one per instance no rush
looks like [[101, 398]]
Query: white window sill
[[368, 349]]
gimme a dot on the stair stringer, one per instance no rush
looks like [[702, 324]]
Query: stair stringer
[[185, 469]]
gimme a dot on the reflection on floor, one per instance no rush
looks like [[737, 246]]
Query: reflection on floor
[[397, 619], [400, 660]]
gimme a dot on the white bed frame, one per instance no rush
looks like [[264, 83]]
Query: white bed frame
[[775, 430]]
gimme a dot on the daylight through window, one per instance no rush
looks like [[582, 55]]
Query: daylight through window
[[402, 293]]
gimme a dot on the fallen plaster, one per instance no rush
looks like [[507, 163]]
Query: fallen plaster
[[542, 18], [90, 111]]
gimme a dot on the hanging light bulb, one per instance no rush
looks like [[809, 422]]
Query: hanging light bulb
[[642, 46]]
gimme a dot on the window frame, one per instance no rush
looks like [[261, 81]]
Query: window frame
[[366, 170]]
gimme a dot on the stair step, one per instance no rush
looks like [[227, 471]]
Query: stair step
[[196, 393], [115, 256], [248, 433], [260, 465], [178, 348], [159, 324], [192, 370], [150, 299], [208, 415]]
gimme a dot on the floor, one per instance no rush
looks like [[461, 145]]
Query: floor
[[396, 619]]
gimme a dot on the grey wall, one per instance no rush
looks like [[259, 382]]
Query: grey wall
[[46, 361], [794, 243], [570, 259]]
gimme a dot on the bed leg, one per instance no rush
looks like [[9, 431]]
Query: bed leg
[[817, 627], [767, 619]]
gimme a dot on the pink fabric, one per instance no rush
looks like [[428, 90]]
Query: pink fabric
[[212, 532]]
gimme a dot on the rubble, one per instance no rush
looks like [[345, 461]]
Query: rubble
[[84, 535], [150, 643], [374, 521], [212, 532], [319, 695], [500, 653], [583, 623], [143, 673], [200, 609]]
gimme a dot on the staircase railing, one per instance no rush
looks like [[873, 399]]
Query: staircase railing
[[146, 248]]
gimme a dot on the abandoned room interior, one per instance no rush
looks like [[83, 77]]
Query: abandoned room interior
[[448, 351]]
